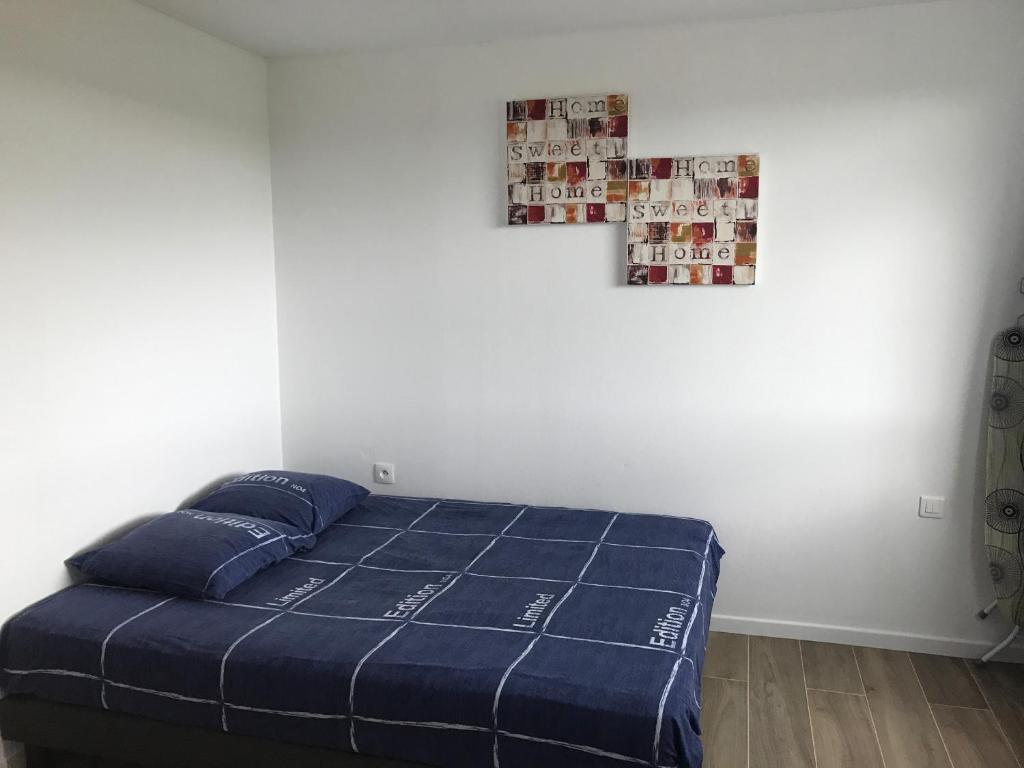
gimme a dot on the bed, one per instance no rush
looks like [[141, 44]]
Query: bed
[[427, 631]]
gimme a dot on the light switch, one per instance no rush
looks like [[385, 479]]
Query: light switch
[[931, 506]]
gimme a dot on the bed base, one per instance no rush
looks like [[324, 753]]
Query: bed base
[[49, 729]]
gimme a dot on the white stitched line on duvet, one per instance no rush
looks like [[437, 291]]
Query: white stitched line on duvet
[[103, 648], [224, 722], [470, 565], [574, 509], [285, 712], [223, 664], [408, 620], [171, 694], [371, 567], [369, 554], [422, 724], [224, 659], [322, 716], [577, 747], [352, 684], [230, 560], [682, 649], [61, 672], [543, 629], [482, 575], [523, 538], [227, 562]]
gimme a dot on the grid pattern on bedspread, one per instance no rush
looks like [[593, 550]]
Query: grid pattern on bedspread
[[427, 630]]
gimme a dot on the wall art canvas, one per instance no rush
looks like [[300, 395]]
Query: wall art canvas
[[692, 220], [567, 159]]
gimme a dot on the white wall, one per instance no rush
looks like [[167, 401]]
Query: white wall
[[138, 352], [803, 416]]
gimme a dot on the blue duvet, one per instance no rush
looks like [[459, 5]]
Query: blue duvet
[[447, 633]]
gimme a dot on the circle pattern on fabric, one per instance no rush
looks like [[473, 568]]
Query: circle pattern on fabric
[[1006, 403], [1004, 510], [1005, 568], [1009, 345]]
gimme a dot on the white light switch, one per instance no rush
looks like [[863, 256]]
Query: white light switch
[[384, 473], [931, 506]]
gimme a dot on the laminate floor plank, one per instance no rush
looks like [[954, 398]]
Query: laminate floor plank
[[906, 729], [947, 681], [727, 656], [724, 713], [973, 738], [1003, 685], [780, 724], [831, 667], [844, 736], [772, 703]]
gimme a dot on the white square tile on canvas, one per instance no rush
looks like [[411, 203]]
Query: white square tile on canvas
[[615, 212], [536, 130], [557, 129], [743, 275]]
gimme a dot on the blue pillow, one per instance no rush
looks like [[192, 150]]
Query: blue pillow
[[308, 502], [192, 553]]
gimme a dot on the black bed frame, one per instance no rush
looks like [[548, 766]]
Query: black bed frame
[[53, 733]]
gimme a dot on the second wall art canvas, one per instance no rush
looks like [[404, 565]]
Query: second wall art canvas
[[693, 220], [567, 159]]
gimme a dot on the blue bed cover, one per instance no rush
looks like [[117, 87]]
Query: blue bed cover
[[441, 632]]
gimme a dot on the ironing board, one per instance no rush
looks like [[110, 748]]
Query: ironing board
[[1004, 486]]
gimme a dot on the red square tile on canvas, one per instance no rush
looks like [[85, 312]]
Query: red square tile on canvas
[[703, 232], [661, 167], [725, 188], [746, 231], [597, 127], [535, 214], [536, 109], [748, 186], [595, 212], [576, 173], [618, 127], [721, 275], [657, 273], [616, 169]]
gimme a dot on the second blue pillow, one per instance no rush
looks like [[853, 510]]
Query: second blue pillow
[[308, 502]]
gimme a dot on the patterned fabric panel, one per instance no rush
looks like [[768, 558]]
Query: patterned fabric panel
[[1004, 504]]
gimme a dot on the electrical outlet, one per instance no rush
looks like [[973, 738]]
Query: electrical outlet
[[384, 473], [931, 506]]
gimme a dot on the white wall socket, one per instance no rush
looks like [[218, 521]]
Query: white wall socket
[[384, 473], [931, 506]]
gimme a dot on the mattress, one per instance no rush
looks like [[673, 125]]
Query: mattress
[[441, 632]]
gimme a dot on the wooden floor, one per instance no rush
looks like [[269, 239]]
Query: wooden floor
[[772, 703]]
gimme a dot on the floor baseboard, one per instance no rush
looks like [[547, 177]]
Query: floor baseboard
[[871, 638]]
